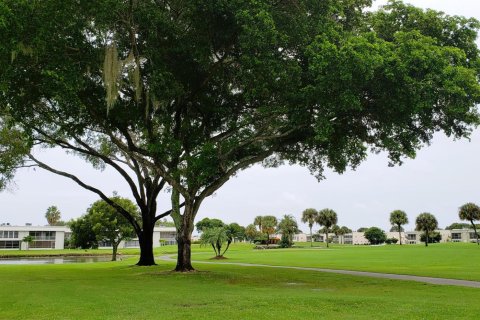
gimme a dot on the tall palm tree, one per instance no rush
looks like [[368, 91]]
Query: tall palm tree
[[470, 212], [309, 216], [426, 222], [327, 218], [398, 218]]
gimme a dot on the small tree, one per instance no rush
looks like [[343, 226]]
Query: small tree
[[362, 229], [215, 237], [397, 219], [28, 240], [251, 232], [287, 227], [470, 212], [426, 222], [375, 235], [109, 225], [309, 216], [53, 215], [327, 218], [83, 235]]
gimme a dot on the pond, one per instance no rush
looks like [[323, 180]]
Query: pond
[[54, 260]]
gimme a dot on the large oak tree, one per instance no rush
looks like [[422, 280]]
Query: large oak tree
[[186, 93]]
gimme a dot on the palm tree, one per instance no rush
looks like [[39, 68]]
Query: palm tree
[[269, 225], [470, 212], [251, 232], [426, 222], [327, 218], [53, 215], [215, 237], [28, 240], [309, 216], [398, 218], [258, 222]]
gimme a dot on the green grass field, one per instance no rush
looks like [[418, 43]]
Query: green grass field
[[448, 260], [118, 290]]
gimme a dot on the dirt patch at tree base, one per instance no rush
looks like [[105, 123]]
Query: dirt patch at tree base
[[218, 258]]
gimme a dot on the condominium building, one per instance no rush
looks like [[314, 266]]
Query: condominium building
[[407, 237], [47, 237], [53, 237]]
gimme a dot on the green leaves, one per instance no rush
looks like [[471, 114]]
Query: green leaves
[[14, 147], [426, 222]]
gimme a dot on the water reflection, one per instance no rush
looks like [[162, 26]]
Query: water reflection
[[54, 260]]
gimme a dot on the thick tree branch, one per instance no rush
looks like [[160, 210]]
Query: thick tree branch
[[120, 209], [168, 212]]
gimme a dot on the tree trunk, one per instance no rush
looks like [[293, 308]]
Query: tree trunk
[[426, 240], [326, 238], [399, 234], [184, 225], [228, 246], [475, 230], [311, 237], [114, 250], [145, 239], [184, 261]]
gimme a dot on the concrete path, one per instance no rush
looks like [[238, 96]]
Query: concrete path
[[439, 281]]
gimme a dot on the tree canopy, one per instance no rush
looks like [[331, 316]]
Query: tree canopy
[[375, 235], [207, 223], [53, 215], [470, 212], [426, 222], [457, 225], [187, 93], [251, 232]]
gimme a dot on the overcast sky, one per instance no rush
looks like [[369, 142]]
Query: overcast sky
[[443, 176]]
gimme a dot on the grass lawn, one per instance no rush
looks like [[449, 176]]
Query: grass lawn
[[118, 290], [446, 260]]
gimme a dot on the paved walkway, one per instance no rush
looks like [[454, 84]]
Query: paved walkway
[[439, 281]]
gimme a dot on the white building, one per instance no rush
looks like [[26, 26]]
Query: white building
[[53, 237], [47, 237]]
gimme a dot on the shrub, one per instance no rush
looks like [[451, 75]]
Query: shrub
[[433, 237], [285, 242], [391, 241], [375, 235]]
